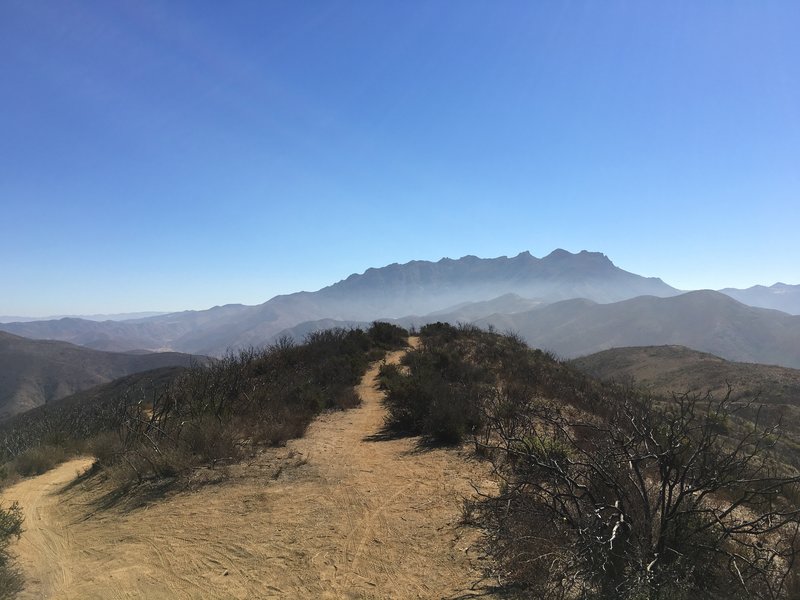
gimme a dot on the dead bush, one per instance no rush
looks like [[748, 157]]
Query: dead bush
[[38, 460], [105, 447]]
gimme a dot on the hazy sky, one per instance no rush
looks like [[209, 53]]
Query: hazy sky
[[172, 155]]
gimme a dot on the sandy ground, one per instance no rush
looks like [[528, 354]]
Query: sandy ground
[[340, 513]]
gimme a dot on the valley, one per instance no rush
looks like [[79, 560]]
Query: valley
[[36, 372]]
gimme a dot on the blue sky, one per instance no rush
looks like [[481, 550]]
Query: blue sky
[[176, 155]]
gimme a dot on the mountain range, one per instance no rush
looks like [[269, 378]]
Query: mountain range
[[573, 304], [103, 317], [417, 287]]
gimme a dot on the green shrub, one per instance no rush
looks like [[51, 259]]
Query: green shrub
[[10, 527], [387, 335], [543, 448], [438, 397]]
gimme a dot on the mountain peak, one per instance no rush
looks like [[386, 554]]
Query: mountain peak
[[561, 254]]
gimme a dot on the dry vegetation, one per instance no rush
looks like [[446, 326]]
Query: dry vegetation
[[156, 433], [346, 511], [667, 370], [164, 422], [606, 492]]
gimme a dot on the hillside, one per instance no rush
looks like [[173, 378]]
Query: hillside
[[336, 514], [707, 321], [35, 372], [469, 311], [443, 478], [668, 369], [82, 414], [597, 478], [417, 287]]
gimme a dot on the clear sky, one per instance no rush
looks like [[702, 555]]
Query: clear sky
[[174, 155]]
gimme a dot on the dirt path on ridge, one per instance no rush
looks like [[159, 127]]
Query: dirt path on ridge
[[47, 534], [352, 516]]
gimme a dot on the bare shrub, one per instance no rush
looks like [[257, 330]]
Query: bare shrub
[[211, 440], [657, 503], [606, 493], [105, 447]]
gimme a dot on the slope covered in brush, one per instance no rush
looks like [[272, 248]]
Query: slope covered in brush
[[606, 492]]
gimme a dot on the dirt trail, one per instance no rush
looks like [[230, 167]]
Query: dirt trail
[[47, 529], [354, 517]]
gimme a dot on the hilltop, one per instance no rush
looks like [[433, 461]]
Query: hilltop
[[677, 369], [335, 514]]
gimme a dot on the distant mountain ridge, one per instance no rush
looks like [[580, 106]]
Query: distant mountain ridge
[[779, 296], [423, 287], [705, 320], [573, 304], [99, 317], [417, 287]]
